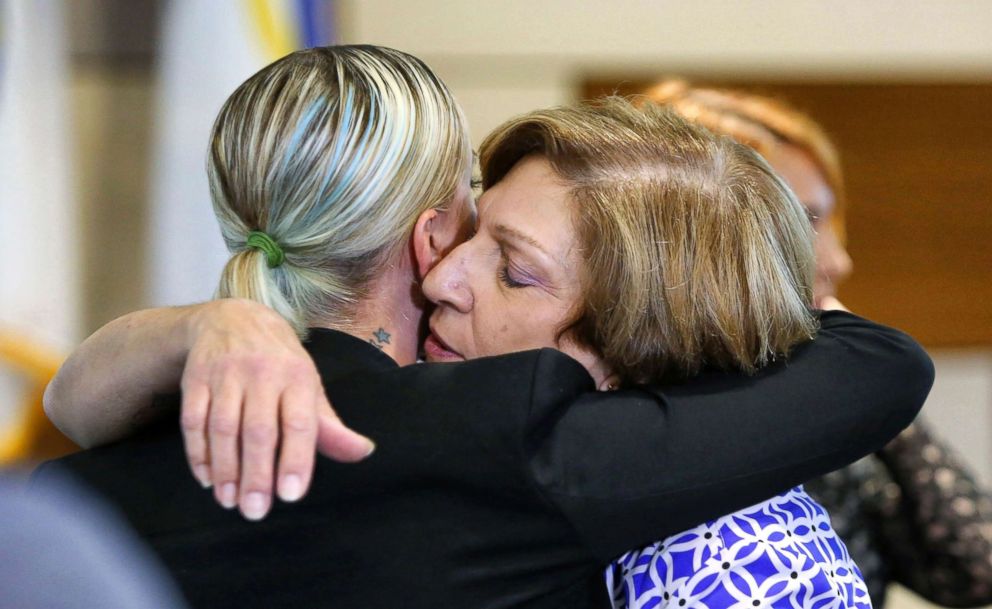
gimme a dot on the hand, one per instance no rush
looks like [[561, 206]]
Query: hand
[[249, 381]]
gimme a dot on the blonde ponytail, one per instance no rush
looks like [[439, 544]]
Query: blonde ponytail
[[247, 275], [332, 153]]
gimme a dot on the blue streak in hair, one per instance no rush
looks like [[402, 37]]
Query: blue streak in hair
[[340, 143], [302, 126]]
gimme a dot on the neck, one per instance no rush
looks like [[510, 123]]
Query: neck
[[390, 318]]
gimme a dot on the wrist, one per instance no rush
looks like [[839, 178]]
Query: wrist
[[199, 319], [192, 322], [217, 321]]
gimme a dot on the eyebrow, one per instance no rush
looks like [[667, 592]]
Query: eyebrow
[[505, 230]]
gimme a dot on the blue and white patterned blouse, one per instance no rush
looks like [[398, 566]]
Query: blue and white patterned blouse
[[780, 553]]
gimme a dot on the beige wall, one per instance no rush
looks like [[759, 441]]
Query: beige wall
[[510, 56], [112, 118], [112, 46], [778, 33]]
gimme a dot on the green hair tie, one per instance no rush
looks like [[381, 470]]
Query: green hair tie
[[273, 253]]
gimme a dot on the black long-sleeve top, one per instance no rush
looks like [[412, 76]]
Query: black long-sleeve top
[[508, 482]]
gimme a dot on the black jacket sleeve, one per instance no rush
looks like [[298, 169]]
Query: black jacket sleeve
[[632, 467]]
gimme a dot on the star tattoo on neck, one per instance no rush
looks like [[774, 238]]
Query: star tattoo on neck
[[380, 338]]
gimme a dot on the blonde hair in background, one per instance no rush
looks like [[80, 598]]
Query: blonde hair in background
[[763, 123], [695, 252], [333, 152]]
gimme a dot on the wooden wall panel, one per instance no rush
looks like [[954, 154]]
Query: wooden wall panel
[[918, 163]]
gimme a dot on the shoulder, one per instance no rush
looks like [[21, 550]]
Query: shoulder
[[145, 477], [484, 398], [158, 445], [845, 332], [543, 375]]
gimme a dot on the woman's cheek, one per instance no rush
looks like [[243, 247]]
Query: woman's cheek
[[503, 332]]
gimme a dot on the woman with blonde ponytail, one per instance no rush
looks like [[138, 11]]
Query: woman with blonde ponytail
[[340, 177], [320, 166]]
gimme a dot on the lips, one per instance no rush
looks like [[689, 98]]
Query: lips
[[438, 351]]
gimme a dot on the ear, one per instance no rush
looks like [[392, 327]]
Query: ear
[[610, 383], [425, 251]]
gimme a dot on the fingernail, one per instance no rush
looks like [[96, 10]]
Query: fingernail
[[202, 473], [290, 487], [228, 495], [255, 506], [371, 449]]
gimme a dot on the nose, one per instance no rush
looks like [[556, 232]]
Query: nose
[[446, 284], [832, 260]]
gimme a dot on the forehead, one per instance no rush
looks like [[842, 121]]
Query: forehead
[[531, 199], [530, 192]]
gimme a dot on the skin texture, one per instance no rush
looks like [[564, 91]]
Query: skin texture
[[514, 284], [800, 172]]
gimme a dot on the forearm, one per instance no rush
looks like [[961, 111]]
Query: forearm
[[675, 456], [105, 389]]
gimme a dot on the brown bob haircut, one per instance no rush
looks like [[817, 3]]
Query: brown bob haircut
[[696, 254]]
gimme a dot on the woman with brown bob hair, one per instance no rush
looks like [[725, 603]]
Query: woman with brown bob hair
[[687, 250], [901, 525], [649, 250], [557, 479]]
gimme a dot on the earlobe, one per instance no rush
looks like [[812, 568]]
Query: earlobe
[[425, 253], [610, 383]]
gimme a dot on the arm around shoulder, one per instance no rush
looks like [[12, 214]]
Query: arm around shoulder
[[105, 389], [876, 366], [635, 466]]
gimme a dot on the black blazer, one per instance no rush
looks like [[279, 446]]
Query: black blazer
[[508, 481]]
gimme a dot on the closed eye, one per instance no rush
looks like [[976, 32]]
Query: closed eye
[[506, 275], [507, 280]]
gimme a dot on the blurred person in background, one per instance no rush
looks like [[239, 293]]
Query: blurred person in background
[[911, 513], [62, 548]]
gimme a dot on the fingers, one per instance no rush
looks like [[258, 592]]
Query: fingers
[[250, 389], [299, 438], [224, 425], [336, 441], [259, 439], [193, 421]]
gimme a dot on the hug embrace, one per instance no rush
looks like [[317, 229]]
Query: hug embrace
[[626, 383]]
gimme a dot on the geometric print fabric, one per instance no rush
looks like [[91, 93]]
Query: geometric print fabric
[[780, 554]]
